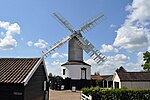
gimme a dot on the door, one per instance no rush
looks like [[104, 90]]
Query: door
[[83, 73], [116, 84]]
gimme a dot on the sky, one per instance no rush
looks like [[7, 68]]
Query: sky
[[27, 28]]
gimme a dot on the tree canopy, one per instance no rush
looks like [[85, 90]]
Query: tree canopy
[[146, 58]]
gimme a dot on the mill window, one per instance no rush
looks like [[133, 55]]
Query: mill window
[[64, 71]]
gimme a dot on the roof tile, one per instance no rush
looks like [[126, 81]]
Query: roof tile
[[15, 70]]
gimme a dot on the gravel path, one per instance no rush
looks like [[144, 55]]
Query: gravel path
[[64, 95]]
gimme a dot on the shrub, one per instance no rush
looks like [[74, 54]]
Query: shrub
[[98, 93]]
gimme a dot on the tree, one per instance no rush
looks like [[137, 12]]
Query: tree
[[146, 58], [96, 73], [50, 75]]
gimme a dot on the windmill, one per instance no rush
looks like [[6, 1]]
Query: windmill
[[76, 68]]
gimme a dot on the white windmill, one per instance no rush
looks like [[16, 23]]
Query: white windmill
[[76, 69]]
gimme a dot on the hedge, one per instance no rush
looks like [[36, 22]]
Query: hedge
[[98, 93]]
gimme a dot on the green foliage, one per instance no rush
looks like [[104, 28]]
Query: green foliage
[[99, 82], [96, 73], [98, 93], [146, 65], [51, 76]]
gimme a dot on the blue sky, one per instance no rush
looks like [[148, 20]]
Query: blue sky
[[27, 28]]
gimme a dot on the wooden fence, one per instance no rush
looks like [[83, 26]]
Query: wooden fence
[[85, 97]]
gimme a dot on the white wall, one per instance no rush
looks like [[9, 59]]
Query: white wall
[[74, 71], [116, 79]]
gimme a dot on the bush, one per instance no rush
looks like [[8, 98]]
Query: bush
[[98, 93]]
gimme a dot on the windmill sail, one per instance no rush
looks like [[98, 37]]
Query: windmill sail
[[63, 21], [88, 25], [82, 42], [91, 50], [57, 44]]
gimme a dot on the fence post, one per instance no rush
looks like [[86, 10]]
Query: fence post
[[90, 97], [81, 96]]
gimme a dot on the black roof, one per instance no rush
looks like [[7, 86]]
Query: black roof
[[75, 63], [134, 76]]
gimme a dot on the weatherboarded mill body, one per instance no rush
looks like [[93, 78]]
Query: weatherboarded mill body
[[23, 79]]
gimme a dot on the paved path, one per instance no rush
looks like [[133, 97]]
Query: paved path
[[64, 95]]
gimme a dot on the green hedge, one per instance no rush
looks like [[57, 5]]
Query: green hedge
[[116, 94]]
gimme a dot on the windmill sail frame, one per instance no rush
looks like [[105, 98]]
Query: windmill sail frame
[[94, 53]]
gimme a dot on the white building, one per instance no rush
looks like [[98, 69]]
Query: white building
[[122, 78], [76, 73], [76, 70]]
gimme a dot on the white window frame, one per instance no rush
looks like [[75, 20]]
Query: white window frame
[[44, 85]]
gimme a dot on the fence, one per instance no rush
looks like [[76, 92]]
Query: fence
[[85, 97]]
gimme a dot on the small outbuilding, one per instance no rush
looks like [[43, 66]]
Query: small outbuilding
[[23, 79], [105, 81]]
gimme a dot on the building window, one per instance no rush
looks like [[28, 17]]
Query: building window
[[18, 93], [110, 84], [64, 71], [44, 85]]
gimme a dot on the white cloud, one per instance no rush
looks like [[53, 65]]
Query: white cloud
[[56, 63], [140, 58], [10, 28], [110, 65], [56, 55], [8, 42], [29, 43], [54, 70], [133, 67], [53, 67], [91, 62], [112, 25], [46, 63], [121, 57], [137, 65], [41, 44], [108, 48], [65, 54], [13, 29], [131, 38], [134, 33], [128, 8], [140, 10]]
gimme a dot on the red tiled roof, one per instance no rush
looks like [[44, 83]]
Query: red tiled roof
[[96, 77], [106, 76], [15, 70]]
